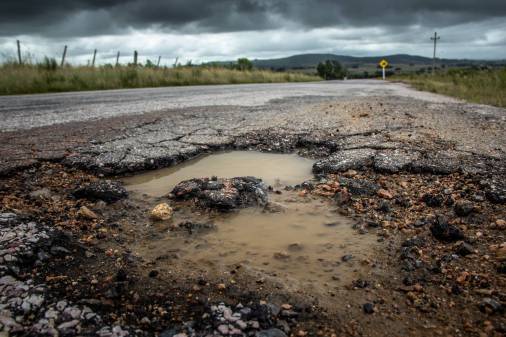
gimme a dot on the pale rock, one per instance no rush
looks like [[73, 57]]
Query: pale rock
[[162, 212]]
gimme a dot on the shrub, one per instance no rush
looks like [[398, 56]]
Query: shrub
[[330, 70], [244, 64]]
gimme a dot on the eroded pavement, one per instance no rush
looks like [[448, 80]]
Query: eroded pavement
[[423, 173]]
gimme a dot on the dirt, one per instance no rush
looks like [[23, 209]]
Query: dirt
[[418, 201]]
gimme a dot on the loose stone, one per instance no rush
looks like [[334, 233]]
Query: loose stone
[[162, 212]]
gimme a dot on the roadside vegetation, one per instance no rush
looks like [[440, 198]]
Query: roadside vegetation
[[48, 76], [486, 86], [331, 70]]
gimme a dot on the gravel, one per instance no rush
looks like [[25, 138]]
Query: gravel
[[26, 306]]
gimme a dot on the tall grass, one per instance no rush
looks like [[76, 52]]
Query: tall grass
[[486, 86], [47, 77]]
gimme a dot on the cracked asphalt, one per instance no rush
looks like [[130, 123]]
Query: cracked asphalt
[[424, 172], [120, 131]]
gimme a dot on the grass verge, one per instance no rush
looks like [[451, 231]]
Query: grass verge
[[29, 79], [474, 85]]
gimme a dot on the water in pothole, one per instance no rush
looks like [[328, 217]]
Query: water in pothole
[[305, 242], [273, 169]]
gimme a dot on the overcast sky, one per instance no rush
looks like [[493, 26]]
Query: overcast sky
[[205, 30]]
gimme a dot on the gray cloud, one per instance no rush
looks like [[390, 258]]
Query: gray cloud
[[223, 29], [95, 17]]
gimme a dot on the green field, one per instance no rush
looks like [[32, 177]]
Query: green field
[[48, 77], [474, 85]]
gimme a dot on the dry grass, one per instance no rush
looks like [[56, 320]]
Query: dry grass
[[47, 77], [479, 86]]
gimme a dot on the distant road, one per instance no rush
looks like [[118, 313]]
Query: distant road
[[29, 111]]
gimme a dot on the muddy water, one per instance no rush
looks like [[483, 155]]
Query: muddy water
[[274, 169], [301, 244]]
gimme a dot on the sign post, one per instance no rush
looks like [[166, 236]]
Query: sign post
[[383, 64]]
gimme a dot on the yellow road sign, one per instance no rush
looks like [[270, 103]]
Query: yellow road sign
[[383, 63]]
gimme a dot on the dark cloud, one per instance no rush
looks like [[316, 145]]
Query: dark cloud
[[96, 17]]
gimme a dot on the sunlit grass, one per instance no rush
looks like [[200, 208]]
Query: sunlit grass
[[48, 77], [480, 86]]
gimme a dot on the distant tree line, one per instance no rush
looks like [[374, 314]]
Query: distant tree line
[[331, 70]]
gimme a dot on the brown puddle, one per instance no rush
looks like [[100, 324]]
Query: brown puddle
[[274, 169], [302, 245]]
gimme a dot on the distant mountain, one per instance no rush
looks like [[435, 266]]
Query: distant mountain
[[312, 60]]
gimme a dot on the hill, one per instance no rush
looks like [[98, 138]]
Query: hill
[[311, 60], [367, 67]]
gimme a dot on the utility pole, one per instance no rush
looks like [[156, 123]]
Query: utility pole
[[135, 57], [435, 38], [63, 56], [19, 52], [158, 63], [117, 59], [94, 56]]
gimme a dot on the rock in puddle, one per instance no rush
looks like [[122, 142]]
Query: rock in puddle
[[346, 258], [223, 193], [162, 212], [274, 207], [368, 308], [193, 227]]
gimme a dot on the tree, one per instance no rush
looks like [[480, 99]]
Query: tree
[[244, 64], [330, 70]]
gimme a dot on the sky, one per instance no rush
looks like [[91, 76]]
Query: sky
[[205, 30]]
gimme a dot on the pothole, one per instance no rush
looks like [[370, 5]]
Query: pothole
[[298, 239], [273, 169]]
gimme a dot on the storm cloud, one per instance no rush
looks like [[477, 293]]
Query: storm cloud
[[358, 26]]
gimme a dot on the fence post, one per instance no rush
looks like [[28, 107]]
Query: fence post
[[63, 56], [135, 57], [158, 63], [19, 52], [117, 59], [94, 56]]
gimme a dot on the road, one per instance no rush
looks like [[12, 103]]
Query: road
[[28, 111], [388, 156], [129, 130]]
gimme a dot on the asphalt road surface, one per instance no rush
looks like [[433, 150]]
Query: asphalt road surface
[[130, 130], [28, 111], [386, 155]]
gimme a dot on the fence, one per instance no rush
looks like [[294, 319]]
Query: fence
[[93, 58]]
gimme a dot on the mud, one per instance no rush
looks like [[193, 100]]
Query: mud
[[297, 240], [301, 245], [414, 183]]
